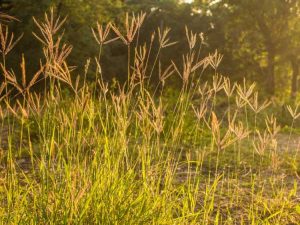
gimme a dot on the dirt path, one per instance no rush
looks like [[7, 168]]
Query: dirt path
[[288, 142]]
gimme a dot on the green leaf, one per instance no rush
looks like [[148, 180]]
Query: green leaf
[[297, 208]]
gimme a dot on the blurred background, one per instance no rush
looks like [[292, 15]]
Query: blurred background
[[260, 39]]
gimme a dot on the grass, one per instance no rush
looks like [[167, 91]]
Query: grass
[[209, 153]]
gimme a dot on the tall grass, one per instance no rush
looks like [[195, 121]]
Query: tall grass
[[139, 153]]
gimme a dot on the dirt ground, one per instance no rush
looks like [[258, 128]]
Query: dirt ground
[[288, 142]]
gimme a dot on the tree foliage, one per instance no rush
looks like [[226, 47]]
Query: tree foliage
[[259, 38]]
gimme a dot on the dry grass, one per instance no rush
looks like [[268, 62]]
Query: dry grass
[[139, 154]]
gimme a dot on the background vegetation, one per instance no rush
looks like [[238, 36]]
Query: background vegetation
[[259, 39]]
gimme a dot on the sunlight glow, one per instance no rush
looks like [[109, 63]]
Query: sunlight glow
[[187, 1]]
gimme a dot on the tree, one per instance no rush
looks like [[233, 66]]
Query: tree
[[5, 5], [294, 48], [257, 33]]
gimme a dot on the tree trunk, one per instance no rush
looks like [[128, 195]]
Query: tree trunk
[[270, 85], [58, 8], [295, 74], [271, 50]]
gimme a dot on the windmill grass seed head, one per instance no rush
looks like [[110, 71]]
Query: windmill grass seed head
[[132, 26]]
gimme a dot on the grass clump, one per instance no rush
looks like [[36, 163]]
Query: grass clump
[[135, 154]]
